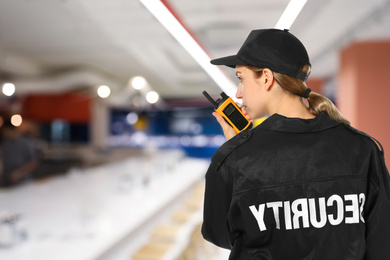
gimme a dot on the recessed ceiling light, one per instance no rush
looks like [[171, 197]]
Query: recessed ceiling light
[[138, 82], [104, 91], [8, 89], [152, 97]]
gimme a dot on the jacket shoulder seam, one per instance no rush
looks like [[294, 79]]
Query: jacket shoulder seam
[[375, 141], [223, 152]]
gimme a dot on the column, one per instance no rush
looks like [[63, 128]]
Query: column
[[315, 84], [99, 126], [363, 94]]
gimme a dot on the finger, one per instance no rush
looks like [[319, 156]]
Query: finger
[[246, 114], [226, 128], [220, 120], [243, 109]]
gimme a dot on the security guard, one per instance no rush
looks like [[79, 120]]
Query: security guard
[[303, 184]]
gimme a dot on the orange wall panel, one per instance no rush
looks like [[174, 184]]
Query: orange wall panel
[[363, 91], [72, 107], [315, 84]]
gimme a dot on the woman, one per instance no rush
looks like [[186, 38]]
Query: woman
[[303, 184]]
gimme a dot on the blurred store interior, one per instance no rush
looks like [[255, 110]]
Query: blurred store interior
[[109, 99]]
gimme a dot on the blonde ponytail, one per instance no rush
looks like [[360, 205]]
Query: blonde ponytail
[[317, 102]]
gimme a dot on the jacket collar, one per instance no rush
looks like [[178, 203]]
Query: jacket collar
[[281, 123]]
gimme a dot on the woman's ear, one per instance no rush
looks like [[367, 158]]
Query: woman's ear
[[268, 78]]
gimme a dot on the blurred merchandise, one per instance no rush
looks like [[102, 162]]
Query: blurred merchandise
[[86, 213]]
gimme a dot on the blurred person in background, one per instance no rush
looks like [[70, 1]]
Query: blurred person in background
[[18, 156], [303, 184]]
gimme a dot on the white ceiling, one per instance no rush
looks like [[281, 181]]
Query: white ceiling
[[58, 45]]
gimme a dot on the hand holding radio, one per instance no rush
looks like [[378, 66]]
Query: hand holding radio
[[228, 130], [229, 115]]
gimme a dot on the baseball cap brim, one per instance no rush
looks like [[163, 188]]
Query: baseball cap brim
[[230, 61]]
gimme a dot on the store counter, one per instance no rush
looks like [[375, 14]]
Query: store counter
[[85, 213]]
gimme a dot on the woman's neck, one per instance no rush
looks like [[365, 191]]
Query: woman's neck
[[289, 105]]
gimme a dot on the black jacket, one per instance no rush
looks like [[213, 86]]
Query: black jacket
[[299, 189]]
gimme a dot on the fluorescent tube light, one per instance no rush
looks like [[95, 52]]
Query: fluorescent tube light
[[290, 14], [169, 21]]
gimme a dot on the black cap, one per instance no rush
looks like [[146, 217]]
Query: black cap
[[277, 50]]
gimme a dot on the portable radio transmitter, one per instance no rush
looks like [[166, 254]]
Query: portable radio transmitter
[[232, 114]]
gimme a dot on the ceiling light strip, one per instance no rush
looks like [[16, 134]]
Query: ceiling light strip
[[289, 15], [166, 17], [178, 18]]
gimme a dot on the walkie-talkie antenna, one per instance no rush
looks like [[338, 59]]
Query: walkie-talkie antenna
[[224, 96], [212, 101]]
